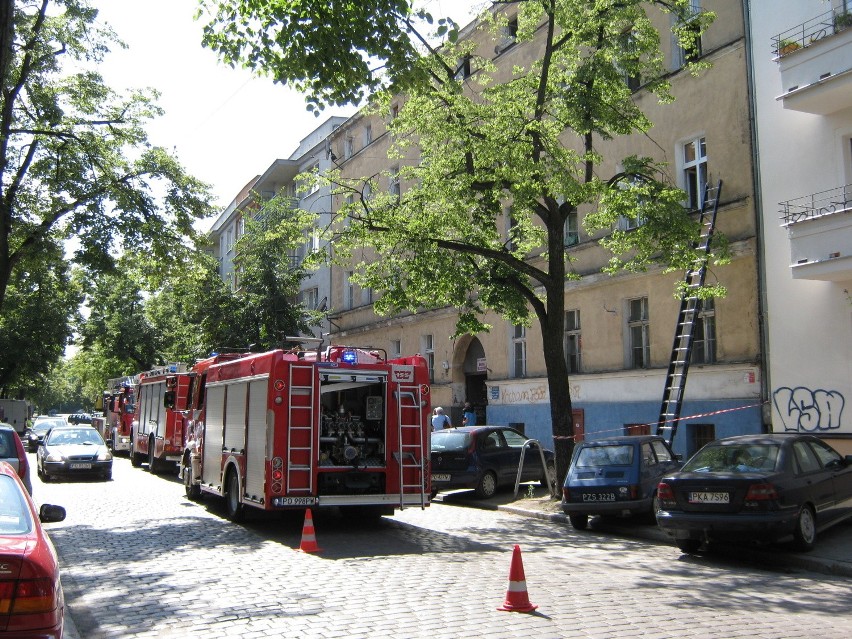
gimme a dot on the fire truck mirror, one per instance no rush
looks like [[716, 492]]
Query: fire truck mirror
[[171, 381], [169, 399]]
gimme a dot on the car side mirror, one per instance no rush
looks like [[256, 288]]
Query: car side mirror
[[49, 513]]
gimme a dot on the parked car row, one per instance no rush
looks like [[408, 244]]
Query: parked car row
[[766, 487]]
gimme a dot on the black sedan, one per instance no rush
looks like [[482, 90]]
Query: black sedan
[[35, 435], [756, 487], [70, 451], [485, 457]]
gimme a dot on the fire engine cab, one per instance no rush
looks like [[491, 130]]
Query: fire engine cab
[[119, 409], [289, 430]]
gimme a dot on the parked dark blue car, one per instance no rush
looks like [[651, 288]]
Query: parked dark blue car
[[615, 476], [484, 458], [757, 488]]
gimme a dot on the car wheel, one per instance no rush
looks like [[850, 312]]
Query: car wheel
[[689, 546], [487, 485], [549, 479], [234, 509], [579, 522], [805, 533]]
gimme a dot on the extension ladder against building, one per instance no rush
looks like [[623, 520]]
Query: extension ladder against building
[[690, 307]]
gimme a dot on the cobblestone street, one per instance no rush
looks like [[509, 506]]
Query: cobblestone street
[[140, 560]]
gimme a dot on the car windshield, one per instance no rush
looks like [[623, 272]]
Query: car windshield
[[737, 458], [15, 517], [450, 441], [68, 436], [609, 455]]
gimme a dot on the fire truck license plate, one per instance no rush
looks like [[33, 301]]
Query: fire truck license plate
[[298, 501], [79, 466]]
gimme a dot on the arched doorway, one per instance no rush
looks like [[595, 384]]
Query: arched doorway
[[475, 377]]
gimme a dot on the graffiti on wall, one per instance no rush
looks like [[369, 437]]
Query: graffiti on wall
[[805, 410]]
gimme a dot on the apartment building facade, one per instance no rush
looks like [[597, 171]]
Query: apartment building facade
[[619, 329], [802, 52], [280, 180]]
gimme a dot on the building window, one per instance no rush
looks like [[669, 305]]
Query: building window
[[368, 134], [313, 185], [396, 348], [694, 51], [628, 46], [394, 111], [695, 171], [572, 229], [366, 296], [310, 299], [349, 292], [508, 35], [519, 351], [704, 334], [463, 68], [639, 333], [393, 183], [348, 147], [573, 344], [699, 436], [429, 355]]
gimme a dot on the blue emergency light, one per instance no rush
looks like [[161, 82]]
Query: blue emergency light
[[350, 357]]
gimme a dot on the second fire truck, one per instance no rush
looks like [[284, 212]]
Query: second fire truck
[[282, 430], [158, 431]]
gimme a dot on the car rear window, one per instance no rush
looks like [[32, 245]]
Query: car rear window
[[739, 458], [8, 450], [613, 455], [450, 441], [15, 517]]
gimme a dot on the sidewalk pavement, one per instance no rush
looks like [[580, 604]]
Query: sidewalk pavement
[[832, 554]]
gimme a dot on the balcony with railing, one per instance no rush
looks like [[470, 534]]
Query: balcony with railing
[[815, 65], [820, 231]]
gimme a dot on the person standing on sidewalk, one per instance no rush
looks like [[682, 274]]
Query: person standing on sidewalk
[[439, 420], [469, 415]]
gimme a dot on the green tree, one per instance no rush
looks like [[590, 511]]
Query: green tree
[[37, 320], [537, 143], [270, 268], [74, 156]]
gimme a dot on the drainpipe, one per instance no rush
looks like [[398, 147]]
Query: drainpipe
[[762, 319]]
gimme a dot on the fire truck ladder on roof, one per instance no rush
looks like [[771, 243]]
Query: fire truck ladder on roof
[[690, 307], [300, 476], [410, 438]]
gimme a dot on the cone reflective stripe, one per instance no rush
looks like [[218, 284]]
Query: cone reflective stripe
[[517, 599], [309, 539]]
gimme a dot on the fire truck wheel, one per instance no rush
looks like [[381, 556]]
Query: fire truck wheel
[[153, 462], [487, 485], [234, 508], [135, 458], [193, 491]]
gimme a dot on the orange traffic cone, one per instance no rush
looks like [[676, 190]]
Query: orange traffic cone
[[309, 539], [517, 599]]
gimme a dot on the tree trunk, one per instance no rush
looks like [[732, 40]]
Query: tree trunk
[[560, 397]]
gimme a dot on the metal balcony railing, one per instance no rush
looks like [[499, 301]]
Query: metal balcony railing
[[805, 34], [817, 205]]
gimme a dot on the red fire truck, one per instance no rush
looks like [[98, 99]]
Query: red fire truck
[[119, 408], [157, 435], [289, 430]]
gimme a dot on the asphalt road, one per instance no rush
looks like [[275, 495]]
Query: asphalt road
[[140, 560]]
